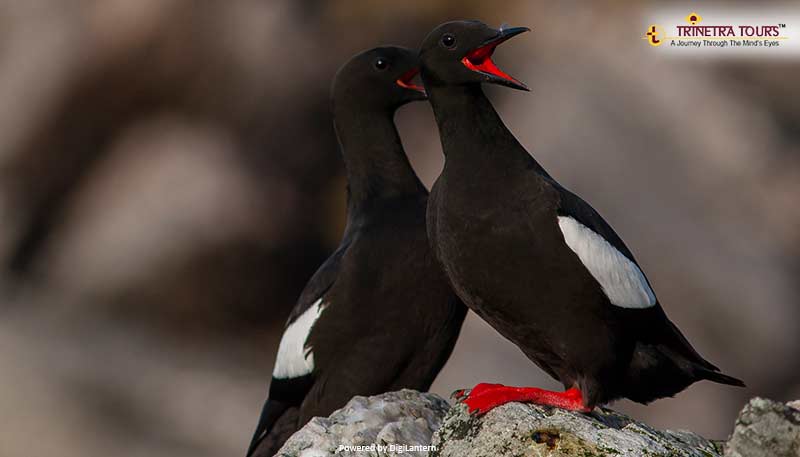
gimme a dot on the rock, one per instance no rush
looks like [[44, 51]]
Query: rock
[[518, 429], [766, 428], [404, 422], [404, 418]]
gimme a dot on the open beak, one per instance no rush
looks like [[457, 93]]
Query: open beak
[[480, 59], [405, 81]]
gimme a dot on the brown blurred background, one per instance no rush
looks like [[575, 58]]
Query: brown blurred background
[[169, 179]]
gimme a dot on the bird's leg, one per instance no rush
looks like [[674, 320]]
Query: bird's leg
[[485, 397]]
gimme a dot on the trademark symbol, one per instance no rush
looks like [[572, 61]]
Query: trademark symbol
[[783, 26]]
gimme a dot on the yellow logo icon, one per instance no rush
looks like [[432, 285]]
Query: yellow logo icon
[[652, 36], [693, 18]]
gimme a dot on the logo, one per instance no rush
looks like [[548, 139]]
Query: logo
[[652, 36], [693, 18], [695, 32]]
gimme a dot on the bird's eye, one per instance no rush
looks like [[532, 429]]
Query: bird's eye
[[448, 40], [381, 64]]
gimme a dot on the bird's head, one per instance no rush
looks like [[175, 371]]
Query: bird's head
[[460, 52], [379, 78]]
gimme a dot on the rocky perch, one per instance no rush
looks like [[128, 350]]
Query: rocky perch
[[390, 420], [410, 423]]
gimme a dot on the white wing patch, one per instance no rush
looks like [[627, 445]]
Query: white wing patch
[[622, 281], [294, 359]]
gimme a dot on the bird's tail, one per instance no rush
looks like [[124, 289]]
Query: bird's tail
[[277, 422], [700, 367], [716, 376], [684, 355], [660, 371]]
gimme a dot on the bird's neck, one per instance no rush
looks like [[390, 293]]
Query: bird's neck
[[377, 166], [472, 132]]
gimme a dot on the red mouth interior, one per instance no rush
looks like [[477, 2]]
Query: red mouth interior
[[480, 59], [404, 80]]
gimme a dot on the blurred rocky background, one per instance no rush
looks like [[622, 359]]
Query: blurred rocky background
[[169, 179]]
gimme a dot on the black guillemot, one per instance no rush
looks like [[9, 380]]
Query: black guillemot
[[378, 315], [533, 259]]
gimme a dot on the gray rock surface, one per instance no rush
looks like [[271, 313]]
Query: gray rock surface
[[766, 428], [518, 429], [388, 424], [400, 418]]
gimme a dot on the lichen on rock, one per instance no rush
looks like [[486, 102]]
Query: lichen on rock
[[766, 428], [396, 421], [518, 429], [409, 418]]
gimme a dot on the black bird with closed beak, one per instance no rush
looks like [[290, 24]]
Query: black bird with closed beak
[[378, 315], [533, 259]]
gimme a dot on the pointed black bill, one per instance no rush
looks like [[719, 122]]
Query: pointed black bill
[[480, 59]]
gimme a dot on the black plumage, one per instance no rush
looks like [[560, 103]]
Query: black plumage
[[533, 259], [384, 317]]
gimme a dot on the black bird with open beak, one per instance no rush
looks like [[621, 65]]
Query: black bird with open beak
[[533, 259], [378, 315], [463, 55]]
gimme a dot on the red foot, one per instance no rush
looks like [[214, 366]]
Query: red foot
[[485, 397], [477, 390]]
